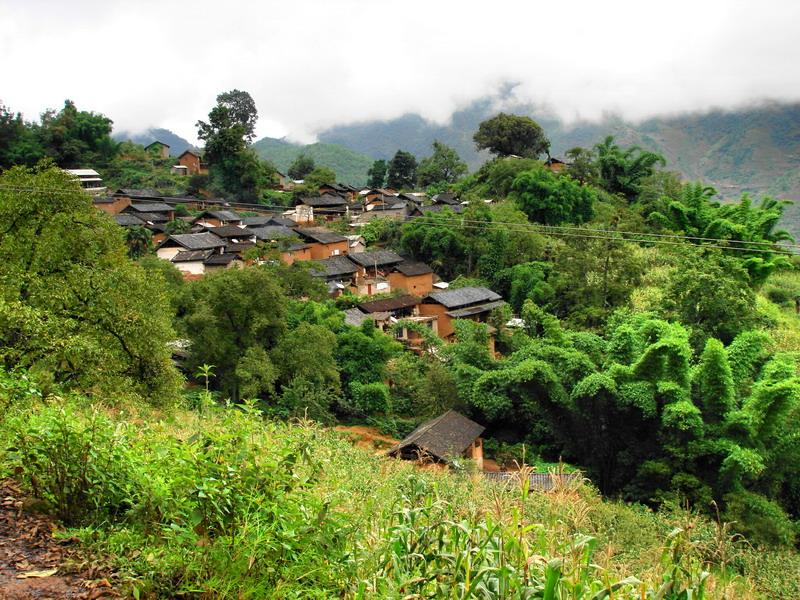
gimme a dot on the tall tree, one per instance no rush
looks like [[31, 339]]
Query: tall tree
[[301, 166], [19, 144], [506, 135], [443, 166], [376, 176], [75, 138], [242, 110], [234, 167], [74, 308], [402, 171]]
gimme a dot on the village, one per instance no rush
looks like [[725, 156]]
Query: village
[[223, 235], [388, 288]]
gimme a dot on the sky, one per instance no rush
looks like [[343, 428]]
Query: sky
[[311, 64]]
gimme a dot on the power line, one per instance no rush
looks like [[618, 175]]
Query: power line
[[552, 230]]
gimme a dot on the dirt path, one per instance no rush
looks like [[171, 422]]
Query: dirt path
[[33, 564], [368, 438]]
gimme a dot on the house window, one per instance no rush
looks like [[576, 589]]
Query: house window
[[335, 252]]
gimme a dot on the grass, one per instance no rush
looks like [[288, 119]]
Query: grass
[[223, 504]]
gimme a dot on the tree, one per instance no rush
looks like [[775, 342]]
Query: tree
[[301, 166], [74, 309], [228, 317], [18, 142], [139, 240], [74, 138], [552, 199], [242, 110], [233, 167], [507, 135], [443, 166], [376, 176], [582, 166], [402, 171], [710, 293], [622, 171], [318, 177]]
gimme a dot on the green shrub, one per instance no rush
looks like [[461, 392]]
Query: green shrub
[[81, 464], [370, 398]]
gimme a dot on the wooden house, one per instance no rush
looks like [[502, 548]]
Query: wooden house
[[112, 205], [555, 165], [324, 243], [443, 440], [217, 218], [474, 303], [189, 241], [412, 277], [158, 149], [191, 160]]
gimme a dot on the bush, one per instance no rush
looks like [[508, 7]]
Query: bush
[[80, 464], [370, 398]]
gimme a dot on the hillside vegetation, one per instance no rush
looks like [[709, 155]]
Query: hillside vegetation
[[217, 503], [753, 150], [350, 166]]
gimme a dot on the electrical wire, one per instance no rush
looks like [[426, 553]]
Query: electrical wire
[[551, 230]]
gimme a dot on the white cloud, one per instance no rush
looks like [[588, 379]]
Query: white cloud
[[310, 64]]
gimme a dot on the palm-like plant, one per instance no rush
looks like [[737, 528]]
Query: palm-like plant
[[139, 240], [622, 170]]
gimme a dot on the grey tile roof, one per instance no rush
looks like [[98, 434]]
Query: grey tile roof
[[444, 437], [324, 201], [223, 215], [197, 241], [191, 256], [273, 232], [376, 257], [409, 268], [151, 207], [221, 259], [320, 235], [335, 266], [232, 231], [257, 221], [128, 220], [153, 217], [463, 297], [476, 309]]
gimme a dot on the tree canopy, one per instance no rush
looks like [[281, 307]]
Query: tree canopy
[[507, 135], [402, 171]]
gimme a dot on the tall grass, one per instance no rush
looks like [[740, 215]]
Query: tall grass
[[222, 504]]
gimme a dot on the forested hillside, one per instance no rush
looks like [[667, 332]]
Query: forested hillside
[[753, 150], [177, 144], [600, 317], [350, 166]]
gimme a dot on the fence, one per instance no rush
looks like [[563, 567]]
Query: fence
[[542, 482]]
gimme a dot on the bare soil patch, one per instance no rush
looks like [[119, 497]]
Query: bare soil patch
[[34, 564]]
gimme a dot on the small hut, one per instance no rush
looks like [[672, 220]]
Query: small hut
[[442, 439]]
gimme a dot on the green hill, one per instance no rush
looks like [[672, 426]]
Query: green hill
[[350, 166], [176, 143], [754, 150]]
